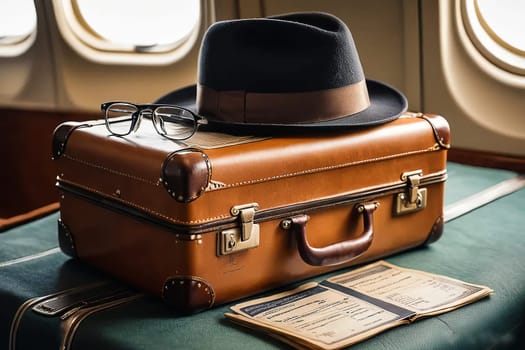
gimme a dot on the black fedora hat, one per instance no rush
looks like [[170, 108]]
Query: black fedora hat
[[299, 70]]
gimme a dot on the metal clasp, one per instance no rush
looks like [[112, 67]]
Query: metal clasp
[[245, 212], [243, 237], [415, 198]]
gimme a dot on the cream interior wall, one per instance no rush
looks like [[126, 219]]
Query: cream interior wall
[[28, 80], [413, 45], [53, 75]]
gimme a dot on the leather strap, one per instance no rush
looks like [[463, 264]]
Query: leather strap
[[285, 107], [72, 306], [79, 297], [70, 325]]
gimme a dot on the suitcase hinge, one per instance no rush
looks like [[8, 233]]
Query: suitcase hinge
[[415, 198], [245, 236]]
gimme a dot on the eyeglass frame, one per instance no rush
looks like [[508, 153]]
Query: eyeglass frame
[[136, 117]]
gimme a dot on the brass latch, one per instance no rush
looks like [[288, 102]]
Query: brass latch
[[243, 237], [415, 198]]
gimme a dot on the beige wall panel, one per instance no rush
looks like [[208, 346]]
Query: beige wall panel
[[250, 8], [420, 47], [28, 80], [387, 43], [84, 85], [226, 9]]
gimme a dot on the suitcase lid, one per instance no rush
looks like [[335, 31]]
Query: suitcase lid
[[199, 184]]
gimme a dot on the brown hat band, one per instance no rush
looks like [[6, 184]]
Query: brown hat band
[[285, 107]]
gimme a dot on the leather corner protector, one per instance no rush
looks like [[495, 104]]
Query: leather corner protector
[[188, 294], [186, 174], [60, 137], [437, 230], [441, 129], [65, 240]]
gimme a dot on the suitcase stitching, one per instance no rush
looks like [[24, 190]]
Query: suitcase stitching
[[331, 167], [177, 221], [275, 177], [94, 165]]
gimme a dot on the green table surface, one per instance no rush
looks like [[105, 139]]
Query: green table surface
[[486, 246]]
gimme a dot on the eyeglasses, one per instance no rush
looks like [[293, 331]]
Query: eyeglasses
[[173, 122]]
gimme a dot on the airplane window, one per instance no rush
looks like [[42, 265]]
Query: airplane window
[[147, 25], [103, 29], [17, 26], [496, 28]]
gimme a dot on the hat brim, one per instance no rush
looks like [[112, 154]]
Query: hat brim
[[386, 104]]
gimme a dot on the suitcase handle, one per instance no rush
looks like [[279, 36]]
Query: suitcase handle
[[337, 253]]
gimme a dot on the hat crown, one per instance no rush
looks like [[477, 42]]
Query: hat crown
[[288, 53], [292, 71]]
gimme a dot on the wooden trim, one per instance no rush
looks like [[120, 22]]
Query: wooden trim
[[487, 159], [31, 215], [27, 179]]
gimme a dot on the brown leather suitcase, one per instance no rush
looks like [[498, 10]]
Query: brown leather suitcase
[[206, 223]]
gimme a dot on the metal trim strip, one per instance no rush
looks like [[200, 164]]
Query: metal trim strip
[[30, 257], [260, 216], [479, 199]]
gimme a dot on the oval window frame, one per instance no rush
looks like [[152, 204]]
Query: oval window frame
[[487, 43], [17, 45], [91, 46]]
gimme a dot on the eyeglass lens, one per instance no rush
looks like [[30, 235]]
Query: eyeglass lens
[[173, 122], [119, 118], [169, 121]]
